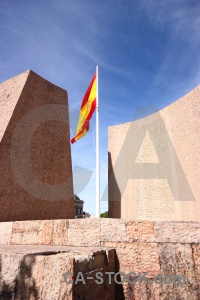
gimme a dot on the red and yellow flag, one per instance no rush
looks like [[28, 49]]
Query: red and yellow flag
[[86, 111]]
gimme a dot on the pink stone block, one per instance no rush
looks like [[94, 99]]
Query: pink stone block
[[113, 230], [5, 233], [84, 232]]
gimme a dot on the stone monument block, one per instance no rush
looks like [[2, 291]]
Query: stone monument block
[[35, 155], [154, 164]]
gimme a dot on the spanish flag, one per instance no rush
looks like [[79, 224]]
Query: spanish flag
[[86, 111]]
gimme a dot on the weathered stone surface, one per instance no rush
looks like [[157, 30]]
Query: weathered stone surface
[[60, 230], [113, 230], [46, 232], [174, 259], [184, 232], [177, 259], [196, 256], [65, 232], [154, 164], [35, 161], [140, 231], [25, 233], [38, 273], [84, 232], [5, 232], [137, 257], [158, 248]]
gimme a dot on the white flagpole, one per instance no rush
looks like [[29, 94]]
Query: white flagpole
[[97, 149]]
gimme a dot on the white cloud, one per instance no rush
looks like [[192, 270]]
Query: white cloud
[[181, 16]]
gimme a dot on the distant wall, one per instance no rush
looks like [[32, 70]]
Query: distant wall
[[154, 164], [35, 155]]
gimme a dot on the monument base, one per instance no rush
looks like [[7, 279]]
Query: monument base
[[40, 252]]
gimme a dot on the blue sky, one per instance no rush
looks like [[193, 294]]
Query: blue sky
[[147, 52]]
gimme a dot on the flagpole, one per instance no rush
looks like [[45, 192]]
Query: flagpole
[[97, 149]]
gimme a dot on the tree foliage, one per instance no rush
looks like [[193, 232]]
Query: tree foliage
[[104, 215]]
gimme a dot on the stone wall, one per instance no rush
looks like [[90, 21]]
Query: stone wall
[[154, 164], [158, 248], [35, 155], [38, 273]]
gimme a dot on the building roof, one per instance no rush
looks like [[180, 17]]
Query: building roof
[[76, 198]]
